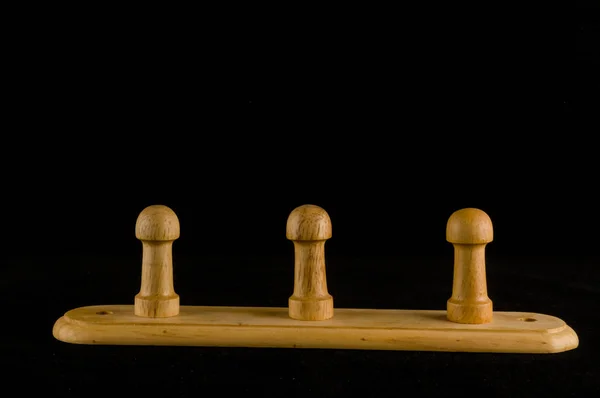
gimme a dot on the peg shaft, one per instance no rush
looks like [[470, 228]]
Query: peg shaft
[[309, 226], [157, 227], [469, 230]]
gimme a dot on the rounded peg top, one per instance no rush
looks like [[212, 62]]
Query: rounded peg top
[[469, 226], [308, 222], [157, 223]]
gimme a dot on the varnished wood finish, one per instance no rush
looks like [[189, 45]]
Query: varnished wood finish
[[309, 226], [157, 227], [467, 325], [469, 230], [368, 329]]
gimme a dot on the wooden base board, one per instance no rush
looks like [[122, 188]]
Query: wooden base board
[[367, 329]]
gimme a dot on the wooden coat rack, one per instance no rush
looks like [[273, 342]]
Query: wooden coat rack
[[468, 324]]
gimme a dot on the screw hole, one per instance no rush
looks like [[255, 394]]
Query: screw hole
[[528, 319], [104, 312]]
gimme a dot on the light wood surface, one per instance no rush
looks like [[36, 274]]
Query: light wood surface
[[309, 226], [369, 329], [467, 324], [469, 230], [157, 226]]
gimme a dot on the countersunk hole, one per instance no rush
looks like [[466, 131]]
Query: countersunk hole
[[104, 313], [527, 319]]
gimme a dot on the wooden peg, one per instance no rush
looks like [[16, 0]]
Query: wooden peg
[[469, 230], [157, 227], [309, 226]]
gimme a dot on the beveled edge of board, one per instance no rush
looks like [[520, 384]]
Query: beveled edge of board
[[510, 335]]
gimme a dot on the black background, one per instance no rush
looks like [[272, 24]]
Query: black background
[[389, 120]]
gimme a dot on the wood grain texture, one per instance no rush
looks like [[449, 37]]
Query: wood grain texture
[[469, 230], [467, 325], [368, 329], [157, 226], [309, 226]]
